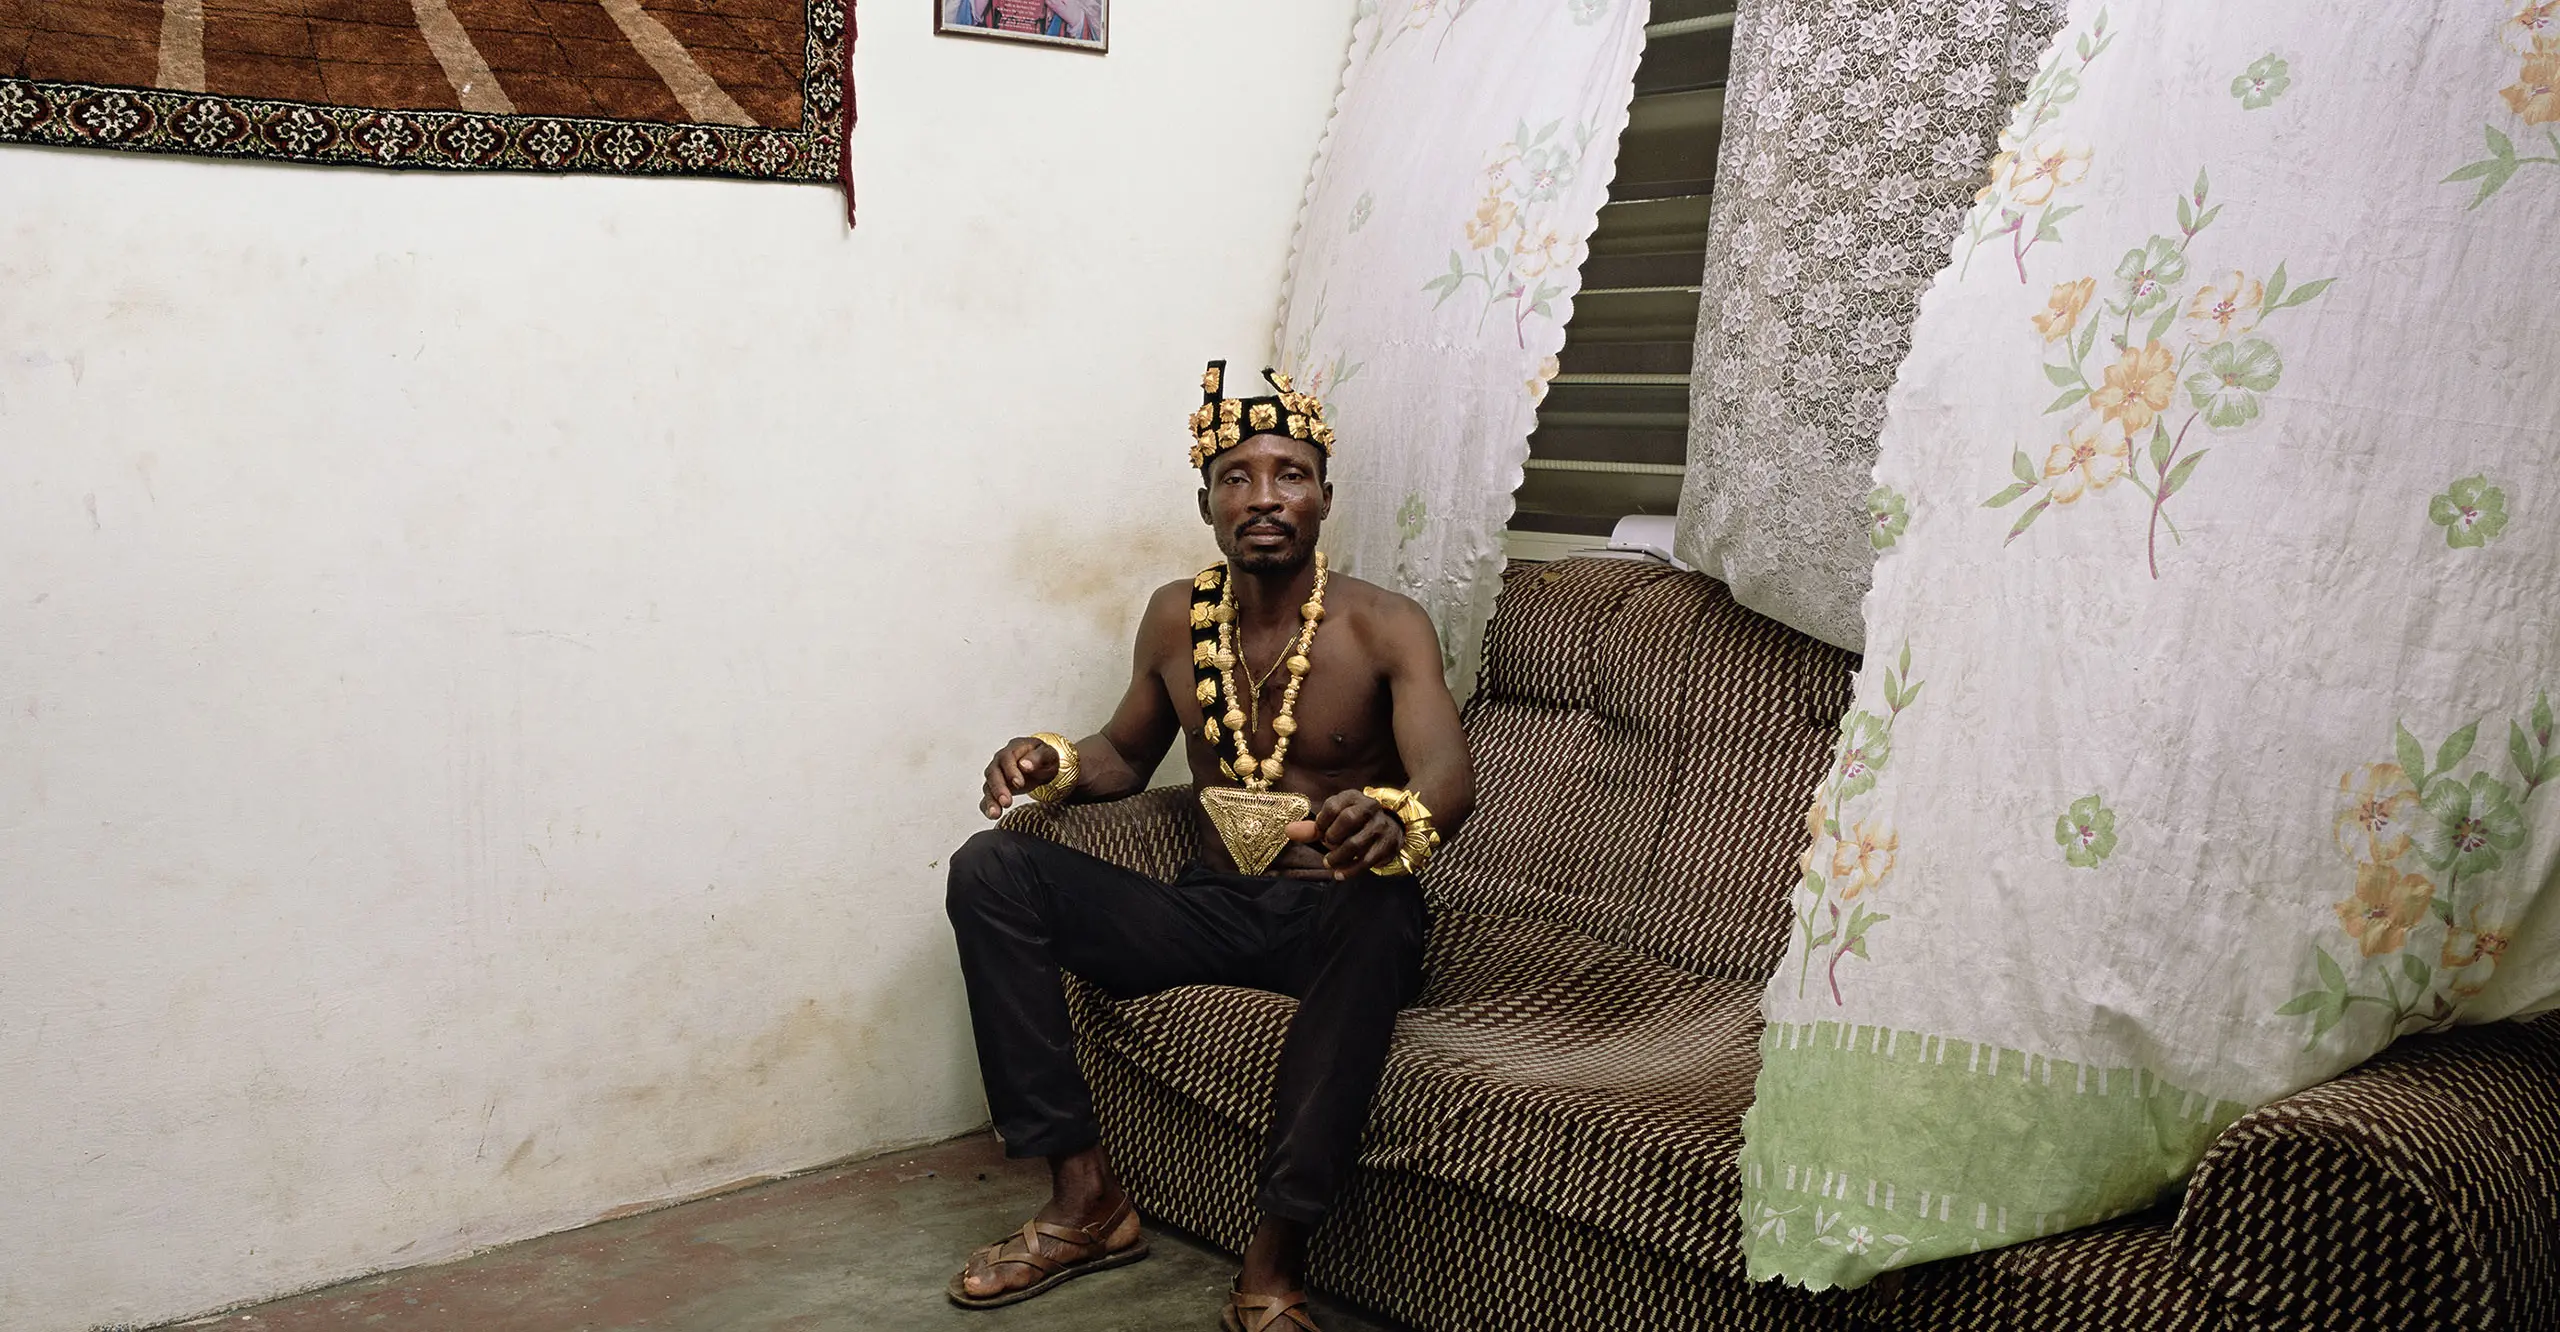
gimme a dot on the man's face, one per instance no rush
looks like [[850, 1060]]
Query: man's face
[[1267, 499]]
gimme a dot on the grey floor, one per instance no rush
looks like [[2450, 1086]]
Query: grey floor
[[865, 1247]]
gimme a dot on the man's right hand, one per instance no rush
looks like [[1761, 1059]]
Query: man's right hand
[[1021, 765]]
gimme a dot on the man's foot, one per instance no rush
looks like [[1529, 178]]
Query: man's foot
[[1045, 1254], [1267, 1313]]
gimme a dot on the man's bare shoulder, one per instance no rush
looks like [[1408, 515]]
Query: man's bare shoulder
[[1165, 626], [1386, 618], [1360, 596], [1175, 593]]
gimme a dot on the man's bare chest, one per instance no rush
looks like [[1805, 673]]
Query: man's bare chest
[[1342, 719]]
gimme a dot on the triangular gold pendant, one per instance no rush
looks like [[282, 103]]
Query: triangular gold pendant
[[1253, 824]]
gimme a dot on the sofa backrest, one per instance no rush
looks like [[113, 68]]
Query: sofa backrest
[[1645, 749]]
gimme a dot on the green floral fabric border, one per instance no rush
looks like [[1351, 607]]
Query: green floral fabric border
[[2071, 1145]]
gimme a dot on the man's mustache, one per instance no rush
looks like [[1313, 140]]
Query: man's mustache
[[1266, 524]]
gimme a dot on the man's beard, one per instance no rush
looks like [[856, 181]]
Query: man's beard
[[1287, 559]]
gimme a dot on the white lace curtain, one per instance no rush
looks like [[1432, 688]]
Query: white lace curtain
[[1855, 136], [2206, 741], [1436, 264]]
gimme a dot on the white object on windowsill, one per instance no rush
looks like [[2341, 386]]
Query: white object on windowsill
[[1645, 534], [1635, 537]]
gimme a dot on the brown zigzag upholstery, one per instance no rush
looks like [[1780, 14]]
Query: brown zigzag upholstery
[[2421, 1191], [1567, 1092], [1395, 1240], [2120, 1275], [1152, 833], [1644, 751], [1541, 1068]]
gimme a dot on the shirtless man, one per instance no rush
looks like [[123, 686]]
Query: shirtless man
[[1338, 687]]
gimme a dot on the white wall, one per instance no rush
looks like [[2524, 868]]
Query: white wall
[[490, 667]]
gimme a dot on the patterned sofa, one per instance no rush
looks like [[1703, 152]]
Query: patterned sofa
[[1553, 1146]]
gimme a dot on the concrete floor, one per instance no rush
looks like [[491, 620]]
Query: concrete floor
[[865, 1247]]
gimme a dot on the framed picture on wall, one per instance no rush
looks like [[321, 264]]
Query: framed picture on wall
[[1083, 24]]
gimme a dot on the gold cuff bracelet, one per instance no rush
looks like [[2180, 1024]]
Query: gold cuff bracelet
[[1421, 840], [1059, 787]]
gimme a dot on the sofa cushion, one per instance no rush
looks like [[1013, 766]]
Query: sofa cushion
[[1644, 750], [1154, 832], [2421, 1190], [2121, 1274], [1541, 1067], [1388, 1244]]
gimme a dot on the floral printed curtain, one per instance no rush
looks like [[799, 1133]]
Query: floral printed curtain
[[2205, 741], [1436, 264], [1855, 135]]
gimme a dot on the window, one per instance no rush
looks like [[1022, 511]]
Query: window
[[1613, 433]]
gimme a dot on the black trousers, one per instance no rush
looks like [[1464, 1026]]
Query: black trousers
[[1350, 953]]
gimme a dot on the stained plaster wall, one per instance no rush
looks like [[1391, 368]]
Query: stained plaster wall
[[490, 667]]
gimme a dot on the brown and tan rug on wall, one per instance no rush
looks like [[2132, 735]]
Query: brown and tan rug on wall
[[748, 88]]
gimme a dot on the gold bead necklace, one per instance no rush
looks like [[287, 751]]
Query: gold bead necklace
[[1259, 774]]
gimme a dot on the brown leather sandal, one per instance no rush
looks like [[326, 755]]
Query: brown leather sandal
[[1055, 1254], [1267, 1313]]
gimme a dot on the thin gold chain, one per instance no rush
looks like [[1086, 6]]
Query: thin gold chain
[[1259, 680], [1258, 775]]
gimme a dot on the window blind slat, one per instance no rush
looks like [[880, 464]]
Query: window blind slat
[[1613, 431]]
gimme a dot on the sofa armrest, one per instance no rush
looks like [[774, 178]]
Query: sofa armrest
[[2419, 1191], [1152, 833]]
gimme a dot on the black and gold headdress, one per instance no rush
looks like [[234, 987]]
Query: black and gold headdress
[[1221, 423]]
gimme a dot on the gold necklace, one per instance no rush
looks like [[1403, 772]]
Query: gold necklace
[[1254, 822], [1260, 681], [1258, 775]]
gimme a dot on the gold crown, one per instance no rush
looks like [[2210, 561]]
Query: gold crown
[[1221, 423]]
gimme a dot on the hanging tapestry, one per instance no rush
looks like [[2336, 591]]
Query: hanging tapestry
[[2206, 737], [751, 88], [1435, 265], [1855, 135]]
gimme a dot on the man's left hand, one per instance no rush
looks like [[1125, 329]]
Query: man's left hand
[[1357, 833]]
